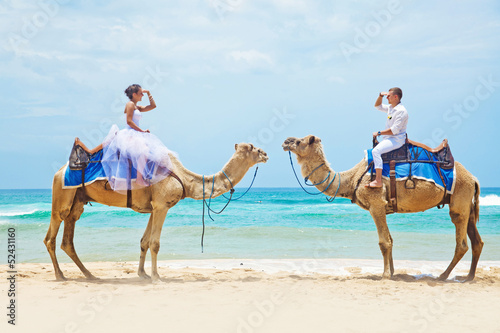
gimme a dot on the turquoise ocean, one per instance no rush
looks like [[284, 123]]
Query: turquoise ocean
[[277, 223]]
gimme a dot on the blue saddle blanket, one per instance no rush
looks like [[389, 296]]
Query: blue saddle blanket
[[425, 171], [93, 172]]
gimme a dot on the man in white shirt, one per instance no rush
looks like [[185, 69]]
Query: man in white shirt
[[394, 135]]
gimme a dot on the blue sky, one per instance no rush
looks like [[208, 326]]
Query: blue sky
[[229, 71]]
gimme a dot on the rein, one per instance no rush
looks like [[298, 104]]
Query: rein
[[227, 203], [314, 184], [248, 189]]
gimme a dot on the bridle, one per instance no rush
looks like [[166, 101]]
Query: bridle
[[315, 184]]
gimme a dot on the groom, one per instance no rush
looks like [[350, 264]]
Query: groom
[[395, 132]]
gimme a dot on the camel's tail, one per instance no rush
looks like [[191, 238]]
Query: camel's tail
[[474, 210]]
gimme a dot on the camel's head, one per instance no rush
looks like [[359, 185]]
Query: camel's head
[[248, 150], [302, 147]]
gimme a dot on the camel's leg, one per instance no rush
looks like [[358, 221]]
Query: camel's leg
[[144, 248], [69, 233], [50, 243], [460, 219], [158, 215], [385, 241], [477, 246], [62, 201]]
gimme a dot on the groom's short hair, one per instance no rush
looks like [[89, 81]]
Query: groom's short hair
[[397, 91]]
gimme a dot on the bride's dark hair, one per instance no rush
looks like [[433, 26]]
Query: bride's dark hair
[[131, 90]]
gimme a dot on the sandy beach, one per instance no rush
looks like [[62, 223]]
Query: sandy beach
[[327, 295]]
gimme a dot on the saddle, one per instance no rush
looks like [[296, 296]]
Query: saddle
[[79, 159], [410, 153]]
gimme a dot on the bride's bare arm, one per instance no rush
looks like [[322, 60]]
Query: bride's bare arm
[[151, 105]]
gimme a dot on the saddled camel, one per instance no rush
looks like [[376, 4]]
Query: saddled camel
[[464, 203], [157, 199]]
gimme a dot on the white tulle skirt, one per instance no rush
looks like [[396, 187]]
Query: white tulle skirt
[[133, 160]]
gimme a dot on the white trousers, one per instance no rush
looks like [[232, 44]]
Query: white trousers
[[383, 147]]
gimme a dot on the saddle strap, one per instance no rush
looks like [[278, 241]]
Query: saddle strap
[[180, 181], [83, 179], [445, 196], [129, 184], [353, 200], [129, 191], [392, 174]]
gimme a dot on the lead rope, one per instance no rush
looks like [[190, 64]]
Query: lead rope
[[248, 189], [227, 203], [210, 202], [305, 180]]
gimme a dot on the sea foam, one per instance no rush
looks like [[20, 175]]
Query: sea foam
[[489, 200], [19, 212]]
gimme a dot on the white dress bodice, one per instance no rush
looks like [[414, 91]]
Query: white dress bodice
[[136, 118]]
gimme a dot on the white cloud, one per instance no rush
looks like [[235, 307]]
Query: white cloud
[[252, 57], [296, 6], [40, 111], [336, 79]]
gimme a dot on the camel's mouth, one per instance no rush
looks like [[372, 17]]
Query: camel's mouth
[[289, 144], [262, 156]]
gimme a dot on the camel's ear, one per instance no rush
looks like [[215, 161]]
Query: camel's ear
[[311, 139], [235, 146], [251, 147]]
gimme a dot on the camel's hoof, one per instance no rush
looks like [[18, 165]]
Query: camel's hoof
[[155, 279], [91, 277], [463, 279], [61, 278], [386, 276], [144, 276], [442, 277]]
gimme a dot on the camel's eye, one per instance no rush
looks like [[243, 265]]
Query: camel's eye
[[297, 142]]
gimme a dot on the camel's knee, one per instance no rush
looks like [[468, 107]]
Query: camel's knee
[[155, 246], [462, 248], [67, 246], [385, 246], [477, 248], [50, 244], [454, 215], [144, 249], [144, 244]]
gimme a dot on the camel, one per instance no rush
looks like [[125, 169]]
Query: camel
[[157, 199], [463, 206]]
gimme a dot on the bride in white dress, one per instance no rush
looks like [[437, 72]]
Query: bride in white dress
[[133, 158]]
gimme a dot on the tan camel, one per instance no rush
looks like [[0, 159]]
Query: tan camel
[[67, 204], [464, 203]]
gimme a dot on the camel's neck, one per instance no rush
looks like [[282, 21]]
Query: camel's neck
[[325, 177], [216, 184]]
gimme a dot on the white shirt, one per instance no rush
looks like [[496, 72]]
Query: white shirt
[[397, 120]]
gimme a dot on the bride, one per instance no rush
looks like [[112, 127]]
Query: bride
[[133, 158]]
